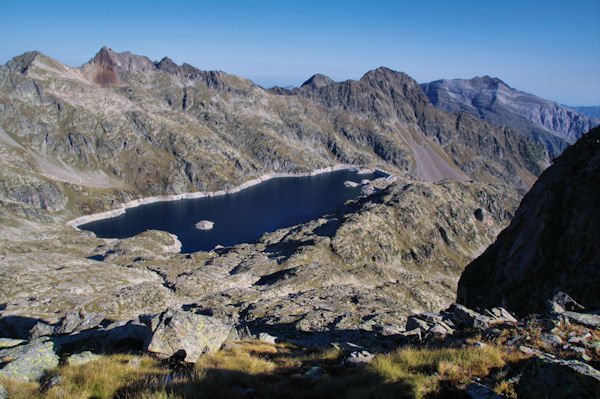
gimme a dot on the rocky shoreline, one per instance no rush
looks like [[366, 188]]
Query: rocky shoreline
[[203, 194]]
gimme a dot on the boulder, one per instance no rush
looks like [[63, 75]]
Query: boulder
[[192, 333], [462, 316], [587, 319], [28, 362], [78, 320], [79, 359], [439, 330], [132, 332], [545, 377], [501, 314], [41, 329], [416, 322]]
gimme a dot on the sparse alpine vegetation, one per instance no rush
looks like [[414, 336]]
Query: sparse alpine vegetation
[[346, 305]]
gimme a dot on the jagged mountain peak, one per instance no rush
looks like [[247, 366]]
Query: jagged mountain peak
[[108, 58], [383, 73], [317, 81], [21, 63], [166, 64], [394, 82]]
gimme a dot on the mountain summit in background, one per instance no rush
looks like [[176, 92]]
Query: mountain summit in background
[[554, 125]]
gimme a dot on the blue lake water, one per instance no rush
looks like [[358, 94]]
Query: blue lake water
[[239, 217]]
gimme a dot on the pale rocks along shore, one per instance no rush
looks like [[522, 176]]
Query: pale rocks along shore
[[203, 194]]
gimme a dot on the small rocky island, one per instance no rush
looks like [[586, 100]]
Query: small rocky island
[[205, 225]]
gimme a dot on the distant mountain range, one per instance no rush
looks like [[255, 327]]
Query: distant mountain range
[[591, 111], [554, 125], [81, 140], [143, 128]]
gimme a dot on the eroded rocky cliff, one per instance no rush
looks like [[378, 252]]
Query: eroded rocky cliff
[[551, 244]]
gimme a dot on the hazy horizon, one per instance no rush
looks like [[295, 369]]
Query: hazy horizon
[[549, 49]]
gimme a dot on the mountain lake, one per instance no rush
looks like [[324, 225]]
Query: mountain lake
[[241, 217]]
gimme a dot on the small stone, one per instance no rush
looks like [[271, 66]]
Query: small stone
[[78, 320], [313, 372], [577, 349], [500, 313], [359, 358], [492, 333], [551, 340], [576, 340], [135, 362], [54, 381], [566, 302], [479, 391], [478, 344], [267, 338]]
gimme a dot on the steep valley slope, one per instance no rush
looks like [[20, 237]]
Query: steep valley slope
[[75, 141], [551, 244]]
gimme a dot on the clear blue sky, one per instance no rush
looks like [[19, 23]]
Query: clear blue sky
[[549, 48]]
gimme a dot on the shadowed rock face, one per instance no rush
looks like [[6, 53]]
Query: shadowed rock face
[[554, 125], [551, 244]]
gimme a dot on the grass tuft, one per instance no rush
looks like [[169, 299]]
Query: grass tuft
[[278, 371]]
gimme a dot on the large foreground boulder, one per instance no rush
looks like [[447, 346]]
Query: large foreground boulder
[[195, 334], [544, 377], [551, 244], [28, 362]]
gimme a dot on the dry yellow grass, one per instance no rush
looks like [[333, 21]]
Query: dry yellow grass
[[272, 371]]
